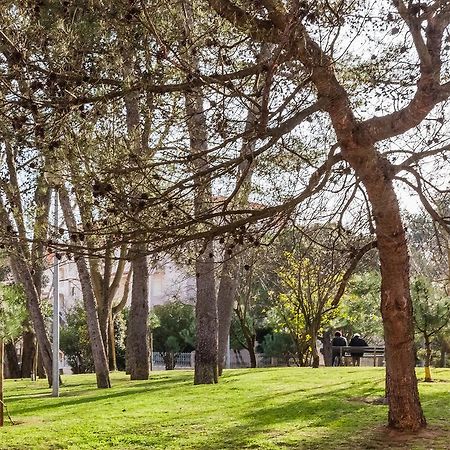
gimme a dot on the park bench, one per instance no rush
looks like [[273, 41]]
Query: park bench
[[375, 352]]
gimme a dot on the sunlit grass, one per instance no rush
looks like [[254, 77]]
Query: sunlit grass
[[279, 408]]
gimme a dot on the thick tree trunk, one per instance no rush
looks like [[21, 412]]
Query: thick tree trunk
[[137, 336], [225, 301], [90, 305], [405, 411], [28, 351], [206, 351]]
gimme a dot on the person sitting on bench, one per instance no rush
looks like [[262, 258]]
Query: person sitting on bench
[[357, 341], [338, 341]]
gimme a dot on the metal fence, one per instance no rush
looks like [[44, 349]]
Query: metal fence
[[184, 361]]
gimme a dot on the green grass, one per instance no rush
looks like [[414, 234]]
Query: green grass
[[283, 408]]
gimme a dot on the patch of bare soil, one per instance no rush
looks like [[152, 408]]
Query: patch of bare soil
[[431, 438], [369, 400]]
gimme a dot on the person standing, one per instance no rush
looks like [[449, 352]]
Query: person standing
[[338, 341], [357, 341]]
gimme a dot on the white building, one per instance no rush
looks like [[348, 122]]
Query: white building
[[167, 281]]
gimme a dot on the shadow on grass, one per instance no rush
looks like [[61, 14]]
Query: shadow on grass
[[82, 396]]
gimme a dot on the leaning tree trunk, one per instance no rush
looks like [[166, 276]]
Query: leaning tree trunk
[[206, 350], [405, 411], [90, 305], [137, 336], [28, 351], [23, 275]]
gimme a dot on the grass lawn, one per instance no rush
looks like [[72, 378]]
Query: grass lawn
[[280, 408]]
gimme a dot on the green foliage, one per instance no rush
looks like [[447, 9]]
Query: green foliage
[[174, 330], [431, 307], [431, 318], [359, 311], [12, 311], [74, 341], [120, 331], [278, 345]]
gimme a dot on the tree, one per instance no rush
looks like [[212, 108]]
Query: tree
[[353, 124], [174, 332], [359, 140], [431, 315], [359, 309], [12, 315], [74, 341]]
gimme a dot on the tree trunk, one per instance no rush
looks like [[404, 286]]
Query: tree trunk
[[405, 411], [40, 369], [90, 305], [1, 382], [169, 360], [252, 353], [443, 356], [137, 336], [23, 275], [314, 353], [327, 349], [225, 302], [95, 337], [427, 359], [112, 358], [28, 350], [206, 351]]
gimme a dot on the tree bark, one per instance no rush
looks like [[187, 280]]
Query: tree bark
[[428, 359], [206, 351], [112, 358], [90, 305], [327, 349], [23, 275], [315, 355], [28, 350], [405, 411], [225, 300], [137, 336], [12, 360], [1, 382]]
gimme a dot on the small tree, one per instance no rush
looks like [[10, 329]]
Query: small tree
[[431, 315], [12, 314], [175, 332], [74, 341]]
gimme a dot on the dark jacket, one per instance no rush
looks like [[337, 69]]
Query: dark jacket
[[339, 342], [357, 342]]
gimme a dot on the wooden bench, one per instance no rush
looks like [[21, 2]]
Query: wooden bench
[[369, 352]]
